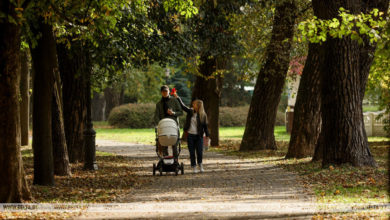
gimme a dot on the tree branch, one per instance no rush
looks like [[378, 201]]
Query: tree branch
[[66, 18], [86, 12], [301, 12]]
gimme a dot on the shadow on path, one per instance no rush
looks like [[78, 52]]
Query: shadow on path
[[230, 188]]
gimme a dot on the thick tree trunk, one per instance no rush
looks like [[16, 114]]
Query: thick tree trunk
[[344, 76], [345, 140], [73, 65], [319, 148], [307, 115], [60, 151], [13, 187], [98, 103], [112, 97], [209, 91], [259, 130], [42, 56], [25, 97]]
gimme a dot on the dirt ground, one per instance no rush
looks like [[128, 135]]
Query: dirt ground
[[230, 188]]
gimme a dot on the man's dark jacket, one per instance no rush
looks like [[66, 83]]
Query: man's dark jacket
[[173, 104]]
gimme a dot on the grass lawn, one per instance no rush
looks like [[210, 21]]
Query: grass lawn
[[147, 135], [370, 108]]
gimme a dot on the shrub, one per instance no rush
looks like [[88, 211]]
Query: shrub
[[233, 116], [141, 116], [132, 116], [236, 116]]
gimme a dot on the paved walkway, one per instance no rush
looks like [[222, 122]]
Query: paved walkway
[[230, 188]]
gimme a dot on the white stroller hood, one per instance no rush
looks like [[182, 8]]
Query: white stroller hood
[[168, 132]]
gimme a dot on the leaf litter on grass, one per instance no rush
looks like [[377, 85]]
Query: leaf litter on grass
[[115, 177], [335, 184]]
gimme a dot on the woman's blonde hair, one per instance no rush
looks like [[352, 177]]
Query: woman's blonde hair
[[201, 112]]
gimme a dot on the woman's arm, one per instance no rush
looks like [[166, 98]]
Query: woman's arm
[[184, 107]]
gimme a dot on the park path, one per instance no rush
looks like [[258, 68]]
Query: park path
[[230, 188]]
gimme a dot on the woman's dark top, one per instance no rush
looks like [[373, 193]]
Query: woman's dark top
[[201, 125]]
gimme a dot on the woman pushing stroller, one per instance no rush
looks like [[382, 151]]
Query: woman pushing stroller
[[195, 126]]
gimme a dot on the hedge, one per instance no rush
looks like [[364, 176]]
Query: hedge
[[141, 116]]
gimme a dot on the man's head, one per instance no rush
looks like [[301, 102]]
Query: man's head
[[164, 91]]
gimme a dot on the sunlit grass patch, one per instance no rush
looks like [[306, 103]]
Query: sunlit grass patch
[[370, 108], [147, 135], [101, 124], [144, 136]]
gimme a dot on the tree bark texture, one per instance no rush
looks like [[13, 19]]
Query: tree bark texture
[[25, 97], [112, 97], [319, 148], [98, 105], [13, 185], [307, 112], [60, 151], [345, 140], [209, 91], [259, 129], [43, 59], [344, 76], [73, 64]]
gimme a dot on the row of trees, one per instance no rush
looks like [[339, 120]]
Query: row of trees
[[219, 46], [66, 39], [340, 67], [328, 116], [74, 44]]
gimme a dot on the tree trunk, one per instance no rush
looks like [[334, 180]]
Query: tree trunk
[[98, 103], [209, 91], [307, 112], [13, 187], [344, 76], [112, 99], [43, 59], [122, 95], [259, 130], [73, 65], [60, 151], [319, 148], [25, 97], [345, 140]]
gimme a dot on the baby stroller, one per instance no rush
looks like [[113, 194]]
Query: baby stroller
[[168, 134]]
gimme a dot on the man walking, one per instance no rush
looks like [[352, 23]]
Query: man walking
[[167, 107]]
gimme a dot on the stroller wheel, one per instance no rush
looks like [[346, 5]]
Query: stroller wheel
[[182, 168], [154, 169], [176, 171]]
